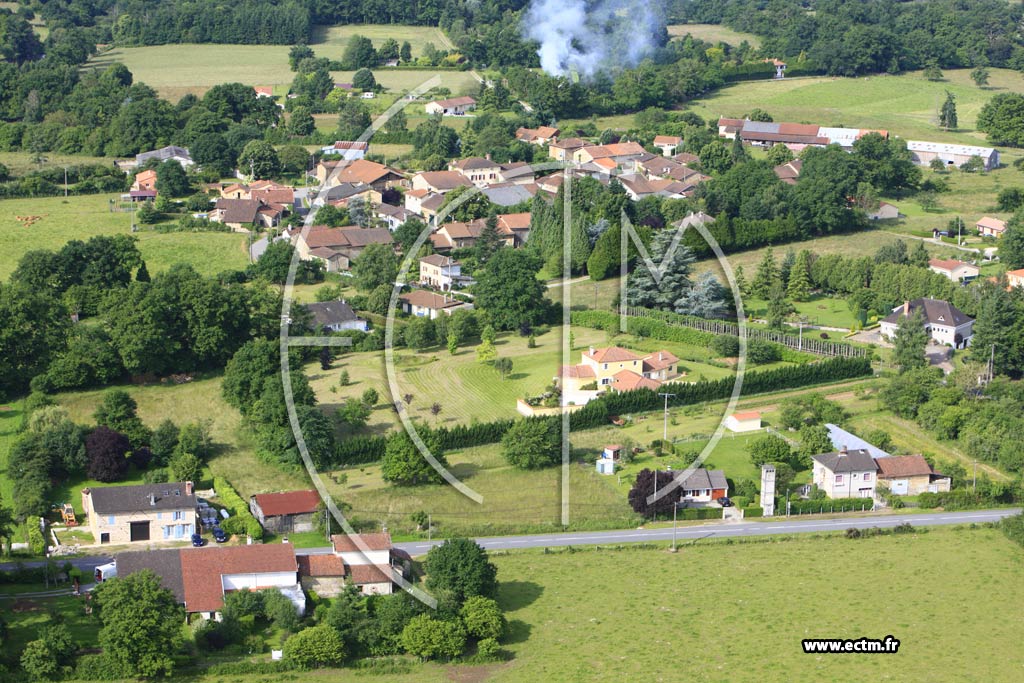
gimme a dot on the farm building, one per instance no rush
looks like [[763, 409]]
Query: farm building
[[955, 270], [743, 422], [347, 149], [952, 155], [909, 475], [884, 212], [287, 511], [455, 106], [169, 153]]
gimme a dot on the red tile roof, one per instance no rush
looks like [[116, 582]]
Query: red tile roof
[[202, 569], [611, 354], [903, 466], [751, 415], [361, 574], [627, 380], [946, 264], [576, 372], [288, 502], [659, 360], [320, 565], [344, 543]]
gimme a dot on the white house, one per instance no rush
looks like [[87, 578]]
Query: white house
[[422, 303], [944, 322], [703, 486], [442, 272], [605, 466], [336, 316], [957, 271], [845, 474], [347, 149], [743, 422], [455, 106], [368, 561]]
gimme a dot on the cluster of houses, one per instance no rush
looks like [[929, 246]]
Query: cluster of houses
[[199, 577]]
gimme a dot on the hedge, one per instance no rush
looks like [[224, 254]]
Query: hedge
[[1013, 527], [753, 511], [829, 505], [701, 513], [242, 521]]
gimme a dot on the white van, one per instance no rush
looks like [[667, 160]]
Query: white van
[[105, 571]]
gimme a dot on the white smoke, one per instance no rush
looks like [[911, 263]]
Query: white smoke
[[580, 37]]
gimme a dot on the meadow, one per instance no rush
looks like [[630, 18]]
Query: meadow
[[176, 70], [85, 216], [713, 33]]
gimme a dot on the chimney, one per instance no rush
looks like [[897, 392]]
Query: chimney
[[591, 350], [661, 355], [152, 500], [843, 451], [906, 308], [487, 156], [188, 488]]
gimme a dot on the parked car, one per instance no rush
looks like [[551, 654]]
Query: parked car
[[725, 502], [197, 541], [219, 535]]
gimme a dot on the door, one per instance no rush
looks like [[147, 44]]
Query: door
[[104, 537], [900, 486], [139, 531]]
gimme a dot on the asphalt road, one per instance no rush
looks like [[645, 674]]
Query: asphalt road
[[684, 534]]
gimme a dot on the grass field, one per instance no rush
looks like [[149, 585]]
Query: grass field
[[906, 105], [19, 163], [88, 215], [175, 70], [713, 33]]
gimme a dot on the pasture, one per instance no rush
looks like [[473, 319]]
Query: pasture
[[713, 33], [82, 217]]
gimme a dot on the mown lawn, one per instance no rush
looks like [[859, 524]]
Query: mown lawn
[[79, 218], [713, 33]]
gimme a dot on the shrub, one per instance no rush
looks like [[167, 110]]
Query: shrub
[[753, 511], [242, 522], [1013, 527], [98, 668], [315, 647]]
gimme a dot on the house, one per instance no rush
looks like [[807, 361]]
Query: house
[[743, 422], [789, 172], [289, 511], [342, 194], [955, 270], [619, 152], [414, 199], [422, 303], [841, 438], [667, 144], [990, 227], [480, 171], [944, 322], [615, 368], [1015, 278], [954, 156], [335, 316], [358, 172], [846, 473], [909, 475], [199, 578], [578, 384], [455, 106], [347, 149], [456, 235], [780, 67], [392, 216], [271, 193], [884, 212], [516, 225], [612, 452], [543, 135], [509, 194], [704, 487], [364, 560], [145, 181], [440, 182], [264, 90], [517, 172], [605, 466], [147, 512], [349, 242], [563, 150], [243, 215], [169, 153], [442, 272], [551, 183]]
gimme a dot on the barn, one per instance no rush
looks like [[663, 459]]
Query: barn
[[289, 511]]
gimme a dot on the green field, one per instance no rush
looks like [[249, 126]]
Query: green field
[[906, 105], [85, 216], [19, 163], [713, 33], [175, 70]]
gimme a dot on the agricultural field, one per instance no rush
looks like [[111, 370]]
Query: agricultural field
[[176, 70], [81, 217], [19, 163], [906, 105], [713, 33]]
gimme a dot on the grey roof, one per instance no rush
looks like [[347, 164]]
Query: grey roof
[[344, 191], [113, 499], [704, 479], [843, 439], [854, 460], [238, 210], [165, 563], [760, 127], [936, 312], [163, 154], [331, 313], [507, 194]]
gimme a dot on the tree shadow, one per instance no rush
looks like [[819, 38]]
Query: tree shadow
[[513, 595], [465, 470], [518, 631], [517, 375]]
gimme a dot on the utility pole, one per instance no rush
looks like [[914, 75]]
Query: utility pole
[[430, 527], [974, 484], [675, 508], [665, 433]]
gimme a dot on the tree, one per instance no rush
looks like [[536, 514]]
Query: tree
[[377, 265], [315, 647], [141, 624], [171, 180], [647, 483], [979, 75], [359, 53], [778, 307], [118, 411], [486, 353], [259, 159], [184, 467], [1002, 118], [489, 241], [767, 274], [947, 113], [430, 638], [108, 454], [164, 442], [509, 291], [531, 444], [814, 440], [799, 288], [297, 53], [406, 51], [247, 370], [459, 569], [435, 409], [364, 80], [483, 618], [910, 342], [503, 366], [39, 661], [301, 122], [354, 413], [420, 333], [666, 286], [370, 397], [1011, 246], [770, 448], [933, 73], [404, 465], [194, 438]]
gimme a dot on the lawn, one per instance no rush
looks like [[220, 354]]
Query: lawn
[[820, 310], [737, 612], [19, 163], [906, 105], [88, 215], [713, 33]]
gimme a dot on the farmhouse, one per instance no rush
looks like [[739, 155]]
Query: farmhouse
[[789, 172], [956, 156], [796, 136], [422, 303], [367, 561], [335, 316], [347, 149], [909, 475], [846, 473], [242, 215], [348, 242], [200, 577], [455, 106], [392, 216], [263, 90], [442, 272], [621, 153], [290, 511], [358, 172], [543, 135], [480, 171], [147, 512], [955, 270], [743, 422], [145, 181], [944, 322], [990, 227], [169, 153], [703, 487], [563, 150]]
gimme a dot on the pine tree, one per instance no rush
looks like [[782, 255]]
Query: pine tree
[[799, 288], [787, 265], [778, 307], [947, 113], [704, 300], [910, 342], [489, 241], [673, 275], [767, 274], [142, 275], [741, 281]]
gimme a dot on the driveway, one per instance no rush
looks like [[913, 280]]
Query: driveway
[[939, 356], [871, 337]]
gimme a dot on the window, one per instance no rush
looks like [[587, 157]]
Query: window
[[159, 515], [605, 366], [867, 476], [176, 515], [167, 532], [110, 520], [839, 479], [179, 530]]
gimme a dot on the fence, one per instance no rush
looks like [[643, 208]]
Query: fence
[[819, 347]]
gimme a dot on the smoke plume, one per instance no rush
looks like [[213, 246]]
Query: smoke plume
[[582, 38]]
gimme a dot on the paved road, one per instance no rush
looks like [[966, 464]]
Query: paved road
[[684, 534]]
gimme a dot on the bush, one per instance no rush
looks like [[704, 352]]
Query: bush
[[832, 505], [98, 668], [753, 511], [1013, 527], [761, 352], [740, 501], [242, 522], [701, 513]]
